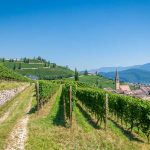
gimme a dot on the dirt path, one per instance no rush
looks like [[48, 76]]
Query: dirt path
[[7, 95], [19, 133]]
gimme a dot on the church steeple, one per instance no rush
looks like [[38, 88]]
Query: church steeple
[[117, 82]]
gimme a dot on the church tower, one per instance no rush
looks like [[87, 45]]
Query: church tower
[[117, 82]]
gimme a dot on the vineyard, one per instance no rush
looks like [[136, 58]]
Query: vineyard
[[6, 74], [37, 68], [47, 73], [132, 113], [60, 114], [45, 90]]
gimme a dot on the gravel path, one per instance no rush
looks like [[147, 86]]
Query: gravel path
[[7, 95], [19, 133]]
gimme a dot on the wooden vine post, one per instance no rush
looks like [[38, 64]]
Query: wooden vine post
[[70, 95], [64, 107], [37, 96], [106, 111]]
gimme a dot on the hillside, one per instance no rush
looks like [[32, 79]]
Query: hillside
[[7, 74], [95, 81], [99, 81], [131, 75], [37, 68]]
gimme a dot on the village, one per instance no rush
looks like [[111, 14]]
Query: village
[[131, 89]]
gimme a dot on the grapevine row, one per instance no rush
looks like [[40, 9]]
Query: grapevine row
[[133, 111], [6, 74], [45, 90], [65, 96]]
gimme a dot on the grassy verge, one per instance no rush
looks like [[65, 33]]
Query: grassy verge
[[9, 104], [6, 127], [44, 130], [7, 85], [114, 138]]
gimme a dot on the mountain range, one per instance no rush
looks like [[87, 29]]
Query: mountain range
[[134, 74]]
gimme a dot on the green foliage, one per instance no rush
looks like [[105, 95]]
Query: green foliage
[[54, 65], [14, 67], [134, 112], [6, 74], [35, 68], [98, 81], [47, 73], [85, 72], [94, 100], [66, 95], [24, 65], [19, 66], [76, 76], [46, 90]]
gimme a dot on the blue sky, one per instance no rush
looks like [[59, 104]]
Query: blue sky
[[85, 34]]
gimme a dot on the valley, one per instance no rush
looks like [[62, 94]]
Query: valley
[[67, 114]]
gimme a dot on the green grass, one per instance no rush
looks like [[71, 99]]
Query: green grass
[[42, 135], [6, 126], [82, 121], [4, 108], [7, 85], [115, 137], [47, 131], [94, 80]]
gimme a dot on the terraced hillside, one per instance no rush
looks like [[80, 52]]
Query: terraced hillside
[[7, 74], [37, 68]]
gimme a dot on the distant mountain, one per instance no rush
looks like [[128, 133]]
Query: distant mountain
[[132, 75], [145, 67]]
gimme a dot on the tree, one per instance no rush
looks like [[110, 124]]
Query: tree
[[97, 82], [45, 65], [49, 64], [54, 65], [76, 76], [14, 68], [67, 67], [3, 60], [28, 61], [39, 58], [96, 73], [25, 60], [19, 66], [85, 72]]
